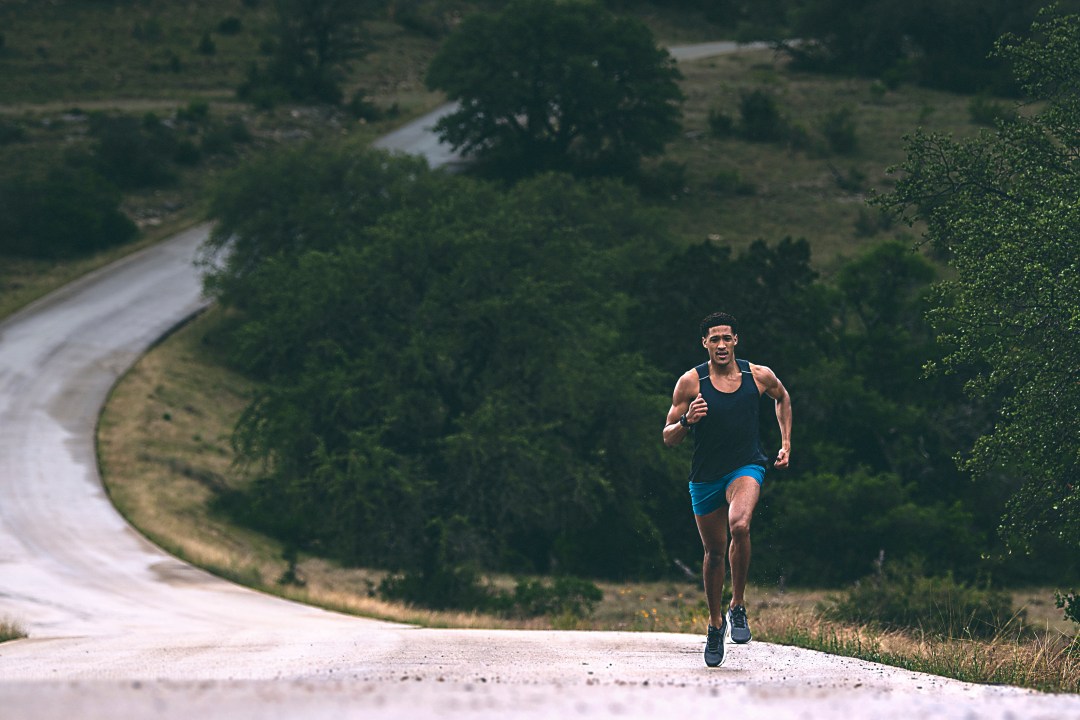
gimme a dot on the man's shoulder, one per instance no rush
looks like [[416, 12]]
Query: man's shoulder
[[689, 380], [763, 375]]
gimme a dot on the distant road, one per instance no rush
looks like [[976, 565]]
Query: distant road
[[119, 629]]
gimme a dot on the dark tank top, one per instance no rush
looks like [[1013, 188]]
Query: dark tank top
[[727, 437]]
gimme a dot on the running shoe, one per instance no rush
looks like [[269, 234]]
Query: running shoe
[[714, 646], [740, 629]]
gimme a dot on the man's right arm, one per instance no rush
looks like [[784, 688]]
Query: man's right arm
[[686, 393]]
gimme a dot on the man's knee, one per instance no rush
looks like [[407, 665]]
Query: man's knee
[[714, 559], [740, 530]]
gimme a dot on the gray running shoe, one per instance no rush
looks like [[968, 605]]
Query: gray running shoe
[[714, 646], [740, 630]]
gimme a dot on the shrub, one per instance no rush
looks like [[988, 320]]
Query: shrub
[[187, 153], [900, 597], [838, 129], [1070, 604], [442, 588], [230, 26], [729, 182], [10, 630], [720, 123], [565, 596], [129, 156], [870, 222], [206, 45], [68, 212], [10, 132], [761, 118], [197, 110], [984, 111], [363, 109], [666, 180]]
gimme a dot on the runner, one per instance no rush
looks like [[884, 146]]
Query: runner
[[717, 403]]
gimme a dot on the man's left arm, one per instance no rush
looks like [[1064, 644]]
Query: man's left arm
[[771, 386]]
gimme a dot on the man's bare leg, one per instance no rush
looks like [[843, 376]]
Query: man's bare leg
[[713, 531], [742, 495]]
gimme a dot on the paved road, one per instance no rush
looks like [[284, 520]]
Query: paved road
[[120, 629]]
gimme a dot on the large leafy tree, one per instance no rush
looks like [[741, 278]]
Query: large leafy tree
[[1004, 208], [453, 360], [548, 85]]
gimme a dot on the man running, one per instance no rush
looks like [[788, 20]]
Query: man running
[[717, 402]]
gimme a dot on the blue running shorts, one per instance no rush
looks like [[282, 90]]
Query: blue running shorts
[[707, 496]]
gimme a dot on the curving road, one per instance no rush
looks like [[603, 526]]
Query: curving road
[[120, 629]]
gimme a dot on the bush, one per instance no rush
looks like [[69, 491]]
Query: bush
[[729, 182], [720, 124], [984, 111], [838, 129], [565, 596], [1070, 604], [10, 132], [196, 111], [128, 155], [664, 181], [761, 118], [187, 153], [206, 45], [230, 26], [363, 109], [69, 212], [901, 597]]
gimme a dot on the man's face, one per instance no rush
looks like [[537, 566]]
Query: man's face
[[720, 342]]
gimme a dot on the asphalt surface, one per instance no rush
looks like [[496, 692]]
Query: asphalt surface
[[119, 629]]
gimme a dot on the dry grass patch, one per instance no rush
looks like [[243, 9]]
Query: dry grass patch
[[164, 449], [10, 630], [1043, 661], [798, 191]]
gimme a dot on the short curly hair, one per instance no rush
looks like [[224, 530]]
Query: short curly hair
[[718, 318]]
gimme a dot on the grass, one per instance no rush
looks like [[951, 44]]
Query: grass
[[53, 74], [48, 67], [164, 435], [803, 190], [163, 447], [10, 630], [1038, 660]]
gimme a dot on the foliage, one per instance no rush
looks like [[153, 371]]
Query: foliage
[[489, 353], [10, 630], [855, 516], [1070, 603], [131, 154], [563, 596], [760, 118], [945, 44], [67, 213], [312, 197], [548, 85], [1002, 208], [313, 42], [901, 596], [838, 128]]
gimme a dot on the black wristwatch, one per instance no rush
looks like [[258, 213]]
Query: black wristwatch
[[683, 422]]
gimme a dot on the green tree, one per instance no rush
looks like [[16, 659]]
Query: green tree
[[548, 85], [449, 363], [1004, 209], [940, 43], [67, 213], [314, 40]]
